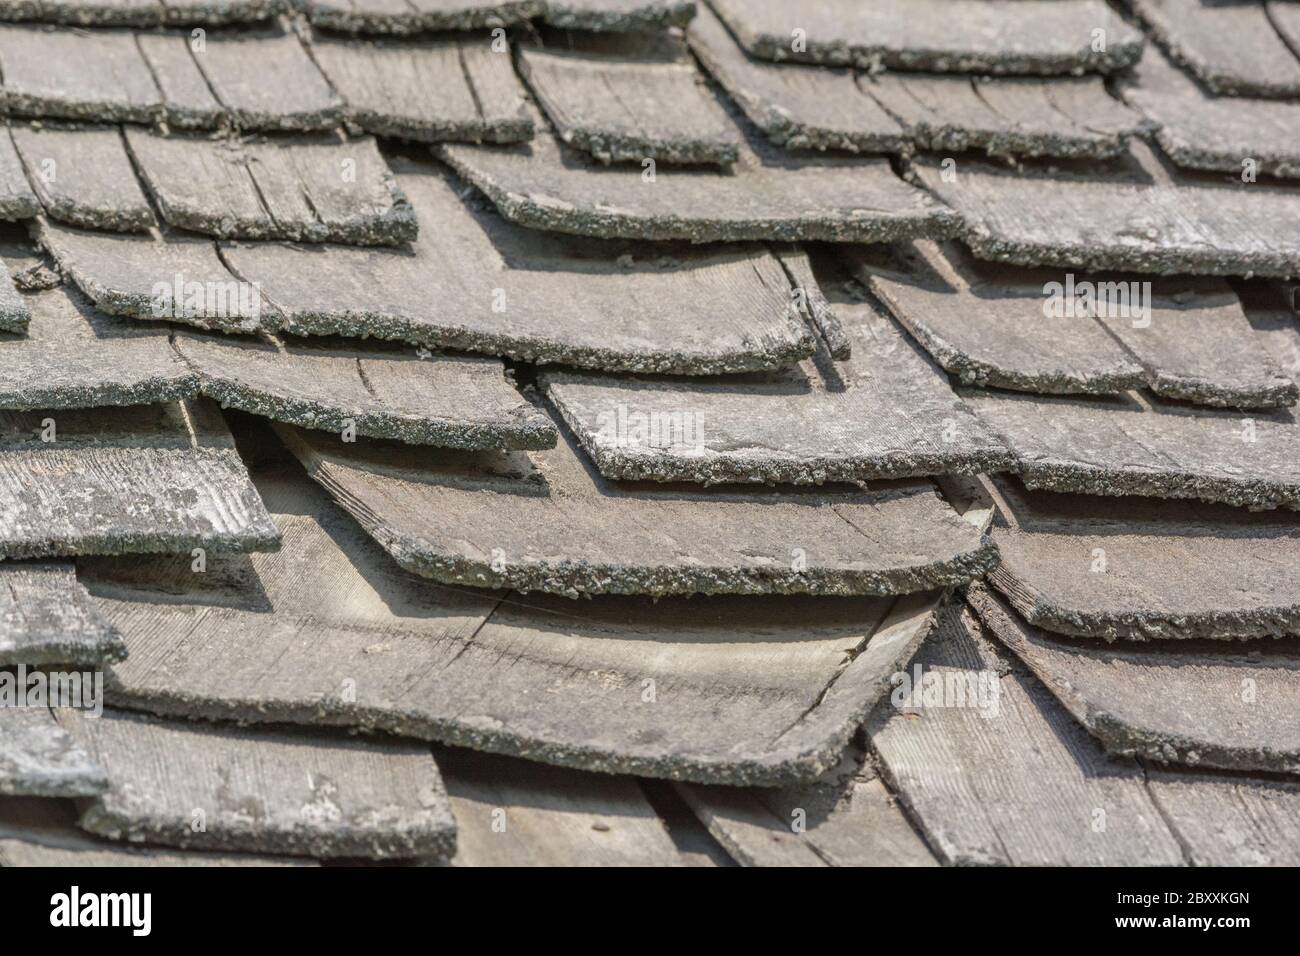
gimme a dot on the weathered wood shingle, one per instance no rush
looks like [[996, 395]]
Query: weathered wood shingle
[[84, 176], [46, 617], [37, 757], [417, 16]]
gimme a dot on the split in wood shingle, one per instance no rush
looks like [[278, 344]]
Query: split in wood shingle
[[417, 16], [1140, 568], [887, 412], [73, 356], [44, 832], [1026, 785], [1233, 47], [312, 794], [768, 195], [1185, 704], [37, 757], [515, 813], [815, 107], [76, 74], [1127, 445], [1202, 131], [305, 189], [429, 91], [646, 101], [619, 16], [475, 282], [142, 13], [967, 36], [844, 818], [553, 524], [1123, 219], [145, 478], [84, 176], [991, 324], [188, 102], [265, 80], [985, 322], [452, 401], [754, 690], [46, 617], [174, 279]]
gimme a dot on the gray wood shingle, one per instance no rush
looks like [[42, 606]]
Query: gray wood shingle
[[40, 759], [84, 176], [46, 617]]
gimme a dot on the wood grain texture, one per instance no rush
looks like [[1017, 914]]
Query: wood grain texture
[[1201, 131], [46, 617], [551, 523], [1012, 781], [266, 80], [330, 631], [452, 401], [196, 786], [1200, 226], [845, 818], [100, 75], [513, 813], [43, 832], [40, 759], [1230, 820], [996, 36], [1139, 568], [1192, 704], [1127, 445], [74, 356], [886, 412], [630, 107], [1232, 47], [428, 91], [188, 487], [320, 189], [83, 176], [767, 195], [476, 282]]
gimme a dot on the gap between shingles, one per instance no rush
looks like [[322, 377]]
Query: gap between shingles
[[469, 81], [1167, 820]]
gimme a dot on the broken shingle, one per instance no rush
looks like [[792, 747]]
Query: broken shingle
[[1033, 329], [46, 617], [1233, 47], [76, 74], [64, 473], [1181, 704], [769, 195], [798, 107], [311, 190], [177, 279], [42, 832], [266, 81], [417, 16], [967, 36], [641, 104], [1119, 220], [37, 757], [1140, 568], [1202, 131], [451, 401], [1125, 445], [432, 516], [985, 322], [754, 690], [844, 818], [84, 177], [618, 16], [75, 357], [1002, 775], [885, 413], [188, 102], [527, 295], [263, 792], [443, 89], [514, 813]]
